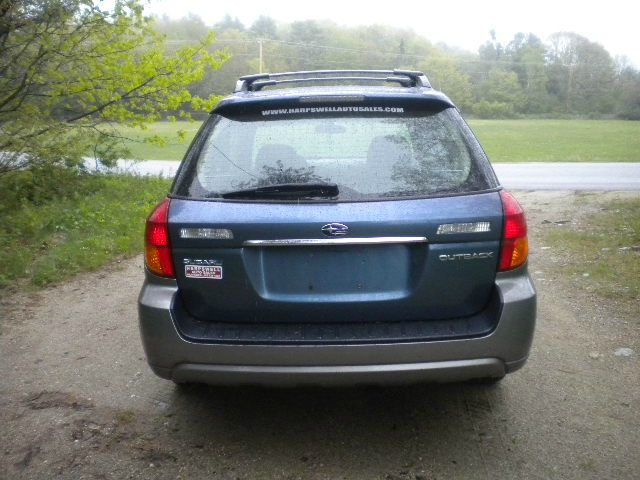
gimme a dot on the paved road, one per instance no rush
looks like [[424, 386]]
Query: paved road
[[569, 176], [518, 176]]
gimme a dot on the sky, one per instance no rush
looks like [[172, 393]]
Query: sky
[[615, 24]]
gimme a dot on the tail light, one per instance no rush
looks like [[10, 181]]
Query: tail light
[[514, 247], [157, 252]]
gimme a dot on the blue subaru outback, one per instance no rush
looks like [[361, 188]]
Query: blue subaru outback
[[336, 227]]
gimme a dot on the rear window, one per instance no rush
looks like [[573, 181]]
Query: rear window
[[388, 155]]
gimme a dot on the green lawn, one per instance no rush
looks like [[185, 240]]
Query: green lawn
[[503, 140], [559, 140], [173, 149]]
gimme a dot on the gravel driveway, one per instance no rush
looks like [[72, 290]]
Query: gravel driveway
[[77, 399]]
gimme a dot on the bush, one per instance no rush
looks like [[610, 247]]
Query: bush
[[40, 185], [486, 109], [58, 225], [630, 112]]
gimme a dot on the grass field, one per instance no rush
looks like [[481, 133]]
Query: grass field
[[53, 229], [503, 140], [559, 140], [173, 149]]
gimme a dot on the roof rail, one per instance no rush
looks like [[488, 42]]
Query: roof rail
[[406, 78]]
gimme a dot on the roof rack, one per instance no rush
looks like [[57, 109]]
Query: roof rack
[[406, 78]]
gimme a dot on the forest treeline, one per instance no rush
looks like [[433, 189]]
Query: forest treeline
[[565, 75]]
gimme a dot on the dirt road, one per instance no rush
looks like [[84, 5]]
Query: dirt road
[[77, 399]]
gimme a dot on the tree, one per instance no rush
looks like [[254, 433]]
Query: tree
[[527, 56], [628, 87], [264, 27], [180, 31], [243, 61], [444, 75], [229, 23], [70, 71], [523, 76], [491, 51], [500, 95], [303, 37], [581, 73]]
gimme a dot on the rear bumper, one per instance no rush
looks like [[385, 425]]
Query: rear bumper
[[503, 350], [455, 370]]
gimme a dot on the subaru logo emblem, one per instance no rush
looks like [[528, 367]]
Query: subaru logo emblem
[[335, 229]]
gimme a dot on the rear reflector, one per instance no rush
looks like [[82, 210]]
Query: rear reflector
[[514, 247], [157, 252]]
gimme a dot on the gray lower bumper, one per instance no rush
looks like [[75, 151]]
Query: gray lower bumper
[[503, 351], [457, 370]]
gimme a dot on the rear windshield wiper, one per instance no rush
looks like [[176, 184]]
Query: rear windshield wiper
[[286, 190]]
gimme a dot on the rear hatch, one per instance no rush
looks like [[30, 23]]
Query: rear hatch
[[388, 212], [412, 273]]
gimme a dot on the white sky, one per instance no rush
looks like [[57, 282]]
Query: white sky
[[615, 24]]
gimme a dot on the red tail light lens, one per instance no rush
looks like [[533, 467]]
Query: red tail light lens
[[157, 252], [514, 247]]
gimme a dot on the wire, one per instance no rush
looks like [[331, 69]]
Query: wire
[[425, 56], [375, 52]]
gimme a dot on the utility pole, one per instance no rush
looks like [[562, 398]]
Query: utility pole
[[260, 46]]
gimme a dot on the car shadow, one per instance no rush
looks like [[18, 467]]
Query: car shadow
[[376, 429]]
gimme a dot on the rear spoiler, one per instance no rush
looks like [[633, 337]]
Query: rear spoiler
[[310, 101]]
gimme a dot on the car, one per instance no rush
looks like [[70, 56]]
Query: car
[[336, 228]]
